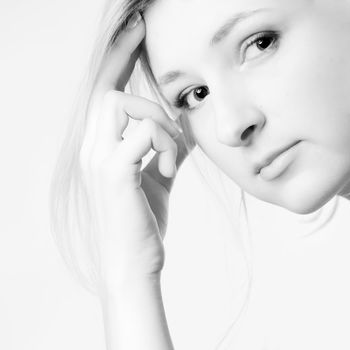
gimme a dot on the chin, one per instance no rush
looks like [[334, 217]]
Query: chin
[[307, 191], [308, 200], [304, 207]]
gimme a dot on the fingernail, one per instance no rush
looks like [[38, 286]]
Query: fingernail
[[176, 136], [174, 170], [134, 21]]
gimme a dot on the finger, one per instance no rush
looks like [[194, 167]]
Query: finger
[[112, 121], [185, 141], [115, 70], [119, 62], [149, 135], [185, 144], [140, 108], [116, 110], [182, 149], [152, 167]]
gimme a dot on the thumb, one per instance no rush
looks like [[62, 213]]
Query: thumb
[[185, 141]]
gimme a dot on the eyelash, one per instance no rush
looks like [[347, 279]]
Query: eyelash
[[181, 100], [253, 39]]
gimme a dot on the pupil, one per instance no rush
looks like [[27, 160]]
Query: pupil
[[201, 92], [264, 43]]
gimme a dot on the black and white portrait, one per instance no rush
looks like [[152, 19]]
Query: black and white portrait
[[175, 175]]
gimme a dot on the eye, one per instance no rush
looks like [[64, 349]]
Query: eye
[[259, 44], [193, 98]]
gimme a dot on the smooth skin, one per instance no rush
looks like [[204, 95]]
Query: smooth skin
[[294, 91], [281, 96], [292, 87], [131, 204]]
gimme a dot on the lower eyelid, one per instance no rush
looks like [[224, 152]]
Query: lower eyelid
[[255, 37]]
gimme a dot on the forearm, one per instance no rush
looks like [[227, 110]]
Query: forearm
[[134, 316]]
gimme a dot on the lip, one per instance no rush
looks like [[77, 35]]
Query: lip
[[268, 160]]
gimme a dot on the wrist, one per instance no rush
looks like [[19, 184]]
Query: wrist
[[124, 283]]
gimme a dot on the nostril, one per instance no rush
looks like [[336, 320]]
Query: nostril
[[247, 132]]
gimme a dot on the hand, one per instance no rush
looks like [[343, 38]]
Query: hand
[[130, 205]]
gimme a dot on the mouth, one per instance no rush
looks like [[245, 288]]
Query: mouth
[[276, 162]]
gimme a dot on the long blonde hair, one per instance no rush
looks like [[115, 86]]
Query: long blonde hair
[[72, 223], [71, 216]]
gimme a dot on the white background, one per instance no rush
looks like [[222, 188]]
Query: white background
[[44, 48]]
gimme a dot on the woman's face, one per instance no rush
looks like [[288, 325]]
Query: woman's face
[[265, 85]]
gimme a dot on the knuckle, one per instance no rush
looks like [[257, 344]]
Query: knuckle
[[112, 97], [173, 146], [157, 108], [150, 125], [173, 150]]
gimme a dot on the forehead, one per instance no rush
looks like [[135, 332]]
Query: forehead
[[178, 31]]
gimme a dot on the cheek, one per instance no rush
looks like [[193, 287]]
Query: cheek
[[322, 92], [230, 160], [317, 107], [310, 99]]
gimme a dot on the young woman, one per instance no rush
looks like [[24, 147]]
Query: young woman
[[261, 87]]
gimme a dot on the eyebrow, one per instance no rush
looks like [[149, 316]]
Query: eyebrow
[[219, 35]]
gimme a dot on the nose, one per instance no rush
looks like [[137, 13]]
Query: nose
[[238, 126]]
